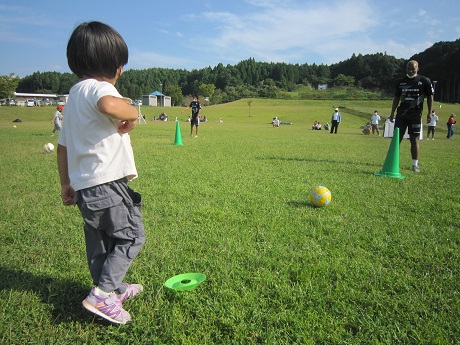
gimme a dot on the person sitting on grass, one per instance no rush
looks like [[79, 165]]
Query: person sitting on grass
[[316, 126], [367, 128]]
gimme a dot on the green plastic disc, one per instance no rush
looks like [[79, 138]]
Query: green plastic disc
[[186, 281]]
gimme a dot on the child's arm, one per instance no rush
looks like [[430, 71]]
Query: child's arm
[[119, 109], [68, 195]]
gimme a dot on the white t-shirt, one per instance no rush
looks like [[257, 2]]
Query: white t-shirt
[[375, 119], [57, 119], [434, 120], [96, 152]]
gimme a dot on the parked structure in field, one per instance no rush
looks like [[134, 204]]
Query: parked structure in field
[[39, 99], [156, 99]]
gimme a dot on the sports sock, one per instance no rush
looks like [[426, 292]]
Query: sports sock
[[101, 293]]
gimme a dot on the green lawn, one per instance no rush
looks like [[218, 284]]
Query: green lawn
[[380, 265]]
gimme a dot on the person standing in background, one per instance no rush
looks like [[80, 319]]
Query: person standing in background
[[195, 121], [432, 125], [375, 123], [57, 119], [450, 126], [336, 119]]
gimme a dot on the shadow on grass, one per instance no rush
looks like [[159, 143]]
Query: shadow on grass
[[295, 159], [65, 296], [300, 204]]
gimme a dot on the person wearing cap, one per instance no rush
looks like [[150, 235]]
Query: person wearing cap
[[336, 119], [57, 119], [450, 126], [432, 125], [410, 94]]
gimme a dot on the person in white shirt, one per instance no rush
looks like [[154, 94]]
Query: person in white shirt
[[432, 125], [375, 123], [95, 163], [336, 119], [57, 119]]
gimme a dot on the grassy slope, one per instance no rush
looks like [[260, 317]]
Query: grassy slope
[[379, 265]]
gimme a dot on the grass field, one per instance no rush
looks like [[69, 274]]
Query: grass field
[[380, 265]]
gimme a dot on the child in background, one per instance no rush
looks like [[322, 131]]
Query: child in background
[[57, 119], [432, 125], [450, 126], [375, 120], [95, 162]]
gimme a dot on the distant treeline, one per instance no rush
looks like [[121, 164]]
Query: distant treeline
[[249, 78]]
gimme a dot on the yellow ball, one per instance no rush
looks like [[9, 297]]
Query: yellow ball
[[320, 196]]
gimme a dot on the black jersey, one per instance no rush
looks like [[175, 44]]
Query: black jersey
[[195, 106], [411, 93]]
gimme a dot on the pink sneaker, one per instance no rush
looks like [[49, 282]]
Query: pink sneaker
[[109, 308], [131, 291]]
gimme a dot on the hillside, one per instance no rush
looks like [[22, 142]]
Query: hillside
[[251, 79]]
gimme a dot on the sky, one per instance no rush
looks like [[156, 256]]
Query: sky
[[197, 34]]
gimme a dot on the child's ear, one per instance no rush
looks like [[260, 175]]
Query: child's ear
[[119, 71]]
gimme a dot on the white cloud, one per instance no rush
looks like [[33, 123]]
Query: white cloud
[[283, 32], [144, 59], [56, 67], [405, 51], [422, 13], [272, 4]]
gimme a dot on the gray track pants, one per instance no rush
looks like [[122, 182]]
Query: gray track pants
[[114, 231]]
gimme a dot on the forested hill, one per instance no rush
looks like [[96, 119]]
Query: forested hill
[[441, 63], [248, 78]]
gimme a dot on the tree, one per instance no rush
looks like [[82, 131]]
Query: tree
[[249, 105], [222, 76], [175, 92], [249, 78], [344, 80], [207, 90], [8, 85]]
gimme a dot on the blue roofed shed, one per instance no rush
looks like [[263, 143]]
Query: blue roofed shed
[[156, 99]]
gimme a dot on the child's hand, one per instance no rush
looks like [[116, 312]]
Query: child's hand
[[68, 195], [126, 126]]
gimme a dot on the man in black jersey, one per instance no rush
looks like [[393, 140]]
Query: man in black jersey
[[410, 94], [195, 121]]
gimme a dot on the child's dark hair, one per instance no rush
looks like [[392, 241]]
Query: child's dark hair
[[96, 50]]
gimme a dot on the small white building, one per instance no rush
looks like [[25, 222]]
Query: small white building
[[156, 99], [40, 98]]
